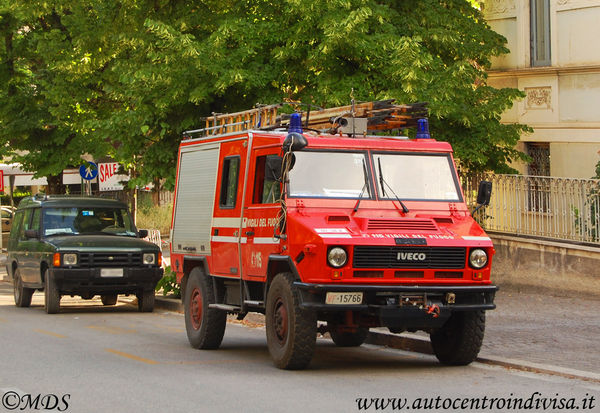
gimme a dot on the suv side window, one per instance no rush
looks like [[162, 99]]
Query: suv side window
[[35, 221], [26, 225], [17, 224]]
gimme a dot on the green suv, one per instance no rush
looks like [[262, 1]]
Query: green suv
[[80, 246]]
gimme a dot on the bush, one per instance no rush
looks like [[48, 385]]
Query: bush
[[155, 217], [168, 283]]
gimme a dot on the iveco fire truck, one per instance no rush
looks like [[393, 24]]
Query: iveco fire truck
[[321, 223]]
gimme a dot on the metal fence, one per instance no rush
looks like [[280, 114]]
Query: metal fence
[[554, 208]]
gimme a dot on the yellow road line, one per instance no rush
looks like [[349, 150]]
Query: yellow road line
[[131, 356], [188, 362], [112, 330], [50, 333]]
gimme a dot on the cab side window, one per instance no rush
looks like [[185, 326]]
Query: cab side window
[[229, 181], [267, 185]]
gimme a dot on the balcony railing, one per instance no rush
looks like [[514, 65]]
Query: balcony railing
[[548, 207]]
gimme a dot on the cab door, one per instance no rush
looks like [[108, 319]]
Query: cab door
[[227, 215], [260, 213]]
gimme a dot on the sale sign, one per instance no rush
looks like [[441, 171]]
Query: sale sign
[[108, 178]]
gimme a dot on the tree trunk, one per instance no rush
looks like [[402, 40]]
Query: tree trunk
[[55, 184]]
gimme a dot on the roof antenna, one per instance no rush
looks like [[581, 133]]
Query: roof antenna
[[353, 112]]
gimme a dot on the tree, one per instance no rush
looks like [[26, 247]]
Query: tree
[[40, 86], [126, 78]]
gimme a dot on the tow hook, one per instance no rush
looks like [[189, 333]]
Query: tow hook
[[433, 309]]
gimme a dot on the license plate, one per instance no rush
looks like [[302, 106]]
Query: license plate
[[343, 298], [111, 272]]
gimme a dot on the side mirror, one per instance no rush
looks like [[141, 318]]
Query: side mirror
[[484, 193], [32, 233], [143, 233]]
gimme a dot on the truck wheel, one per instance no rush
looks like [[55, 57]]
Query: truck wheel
[[291, 330], [459, 340], [22, 294], [51, 294], [145, 301], [345, 339], [205, 326], [109, 299]]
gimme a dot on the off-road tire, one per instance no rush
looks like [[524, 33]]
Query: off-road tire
[[345, 339], [109, 299], [291, 330], [22, 294], [51, 294], [205, 326], [459, 340], [146, 301]]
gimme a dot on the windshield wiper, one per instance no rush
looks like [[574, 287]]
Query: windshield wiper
[[383, 183], [365, 186]]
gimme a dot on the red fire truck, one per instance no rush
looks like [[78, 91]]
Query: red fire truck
[[334, 226]]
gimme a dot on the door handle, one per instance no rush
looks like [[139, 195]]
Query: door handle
[[249, 233]]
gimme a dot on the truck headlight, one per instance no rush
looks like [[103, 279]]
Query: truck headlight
[[69, 259], [478, 258], [149, 258], [337, 257]]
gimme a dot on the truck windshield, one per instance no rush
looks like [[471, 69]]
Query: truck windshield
[[85, 220], [329, 175], [426, 177]]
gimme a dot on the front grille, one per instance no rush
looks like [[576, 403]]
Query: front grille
[[401, 225], [409, 257], [107, 260]]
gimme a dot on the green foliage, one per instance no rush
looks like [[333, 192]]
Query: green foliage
[[124, 79], [168, 284]]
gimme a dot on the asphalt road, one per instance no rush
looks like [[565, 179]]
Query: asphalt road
[[99, 359]]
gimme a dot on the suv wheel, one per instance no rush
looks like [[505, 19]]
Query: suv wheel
[[109, 299], [146, 301], [22, 294], [51, 294]]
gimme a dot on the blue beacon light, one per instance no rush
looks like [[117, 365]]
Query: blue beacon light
[[423, 129], [295, 123]]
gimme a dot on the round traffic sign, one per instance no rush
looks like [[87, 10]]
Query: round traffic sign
[[88, 171]]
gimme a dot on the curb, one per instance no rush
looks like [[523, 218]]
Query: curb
[[416, 344]]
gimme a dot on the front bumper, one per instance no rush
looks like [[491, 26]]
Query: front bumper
[[401, 306], [89, 281]]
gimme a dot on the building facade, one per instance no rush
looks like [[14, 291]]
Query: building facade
[[555, 59]]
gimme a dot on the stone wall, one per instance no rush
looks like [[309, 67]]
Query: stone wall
[[539, 265]]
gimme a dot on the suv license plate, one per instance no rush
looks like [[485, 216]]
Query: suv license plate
[[343, 298], [111, 272]]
